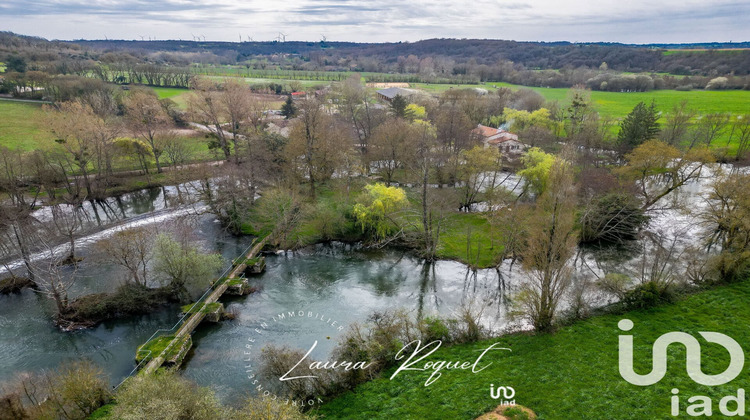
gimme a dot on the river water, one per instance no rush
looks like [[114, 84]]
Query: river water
[[321, 284], [338, 282]]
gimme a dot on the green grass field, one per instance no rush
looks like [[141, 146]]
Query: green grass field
[[619, 104], [572, 374], [22, 126], [483, 249], [178, 95]]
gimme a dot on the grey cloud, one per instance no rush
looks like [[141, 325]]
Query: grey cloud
[[391, 20]]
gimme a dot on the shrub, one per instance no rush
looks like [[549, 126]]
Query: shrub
[[717, 83], [14, 284], [646, 295], [328, 220], [72, 392], [612, 218], [434, 329], [166, 395], [375, 343], [729, 267], [277, 361]]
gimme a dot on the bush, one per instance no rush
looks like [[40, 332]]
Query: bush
[[434, 329], [612, 218], [375, 343], [72, 392], [729, 267], [646, 295], [14, 284], [329, 220], [166, 395]]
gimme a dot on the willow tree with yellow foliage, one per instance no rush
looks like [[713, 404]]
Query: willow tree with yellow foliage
[[377, 208]]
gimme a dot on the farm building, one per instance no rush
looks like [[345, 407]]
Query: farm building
[[506, 141], [389, 93], [387, 85]]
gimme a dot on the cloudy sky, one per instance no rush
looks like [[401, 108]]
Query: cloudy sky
[[629, 21]]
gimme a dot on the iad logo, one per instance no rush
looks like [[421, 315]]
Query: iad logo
[[702, 405], [693, 362], [507, 394]]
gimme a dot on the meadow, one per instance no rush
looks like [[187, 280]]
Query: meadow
[[619, 104], [570, 374], [178, 95], [22, 126]]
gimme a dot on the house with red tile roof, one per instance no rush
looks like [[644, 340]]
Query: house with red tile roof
[[506, 141]]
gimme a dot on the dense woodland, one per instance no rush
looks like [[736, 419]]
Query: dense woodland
[[606, 67]]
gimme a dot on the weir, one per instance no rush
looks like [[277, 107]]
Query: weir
[[169, 346]]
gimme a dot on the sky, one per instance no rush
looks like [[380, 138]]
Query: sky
[[627, 21]]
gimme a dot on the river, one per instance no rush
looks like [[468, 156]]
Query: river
[[334, 282]]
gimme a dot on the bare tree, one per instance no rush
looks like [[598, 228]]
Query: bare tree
[[477, 172], [355, 104], [551, 243], [205, 107], [16, 212], [175, 149], [87, 139], [132, 249], [50, 278], [236, 100], [708, 128], [742, 128], [318, 145], [147, 119], [658, 169], [389, 148], [67, 222], [675, 128]]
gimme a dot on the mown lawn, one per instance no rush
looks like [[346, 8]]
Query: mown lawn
[[22, 126], [572, 374]]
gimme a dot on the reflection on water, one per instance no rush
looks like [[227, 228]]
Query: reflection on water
[[339, 282], [29, 341], [336, 281]]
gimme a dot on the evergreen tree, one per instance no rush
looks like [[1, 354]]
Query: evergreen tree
[[640, 125], [398, 106], [15, 63], [288, 110]]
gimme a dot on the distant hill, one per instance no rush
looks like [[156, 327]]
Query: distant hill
[[534, 55], [450, 58]]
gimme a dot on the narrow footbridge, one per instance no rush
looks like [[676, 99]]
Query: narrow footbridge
[[168, 347]]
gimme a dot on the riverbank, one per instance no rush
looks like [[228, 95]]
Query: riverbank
[[572, 373], [14, 284], [465, 237]]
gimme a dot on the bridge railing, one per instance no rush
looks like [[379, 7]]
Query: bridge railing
[[166, 331]]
